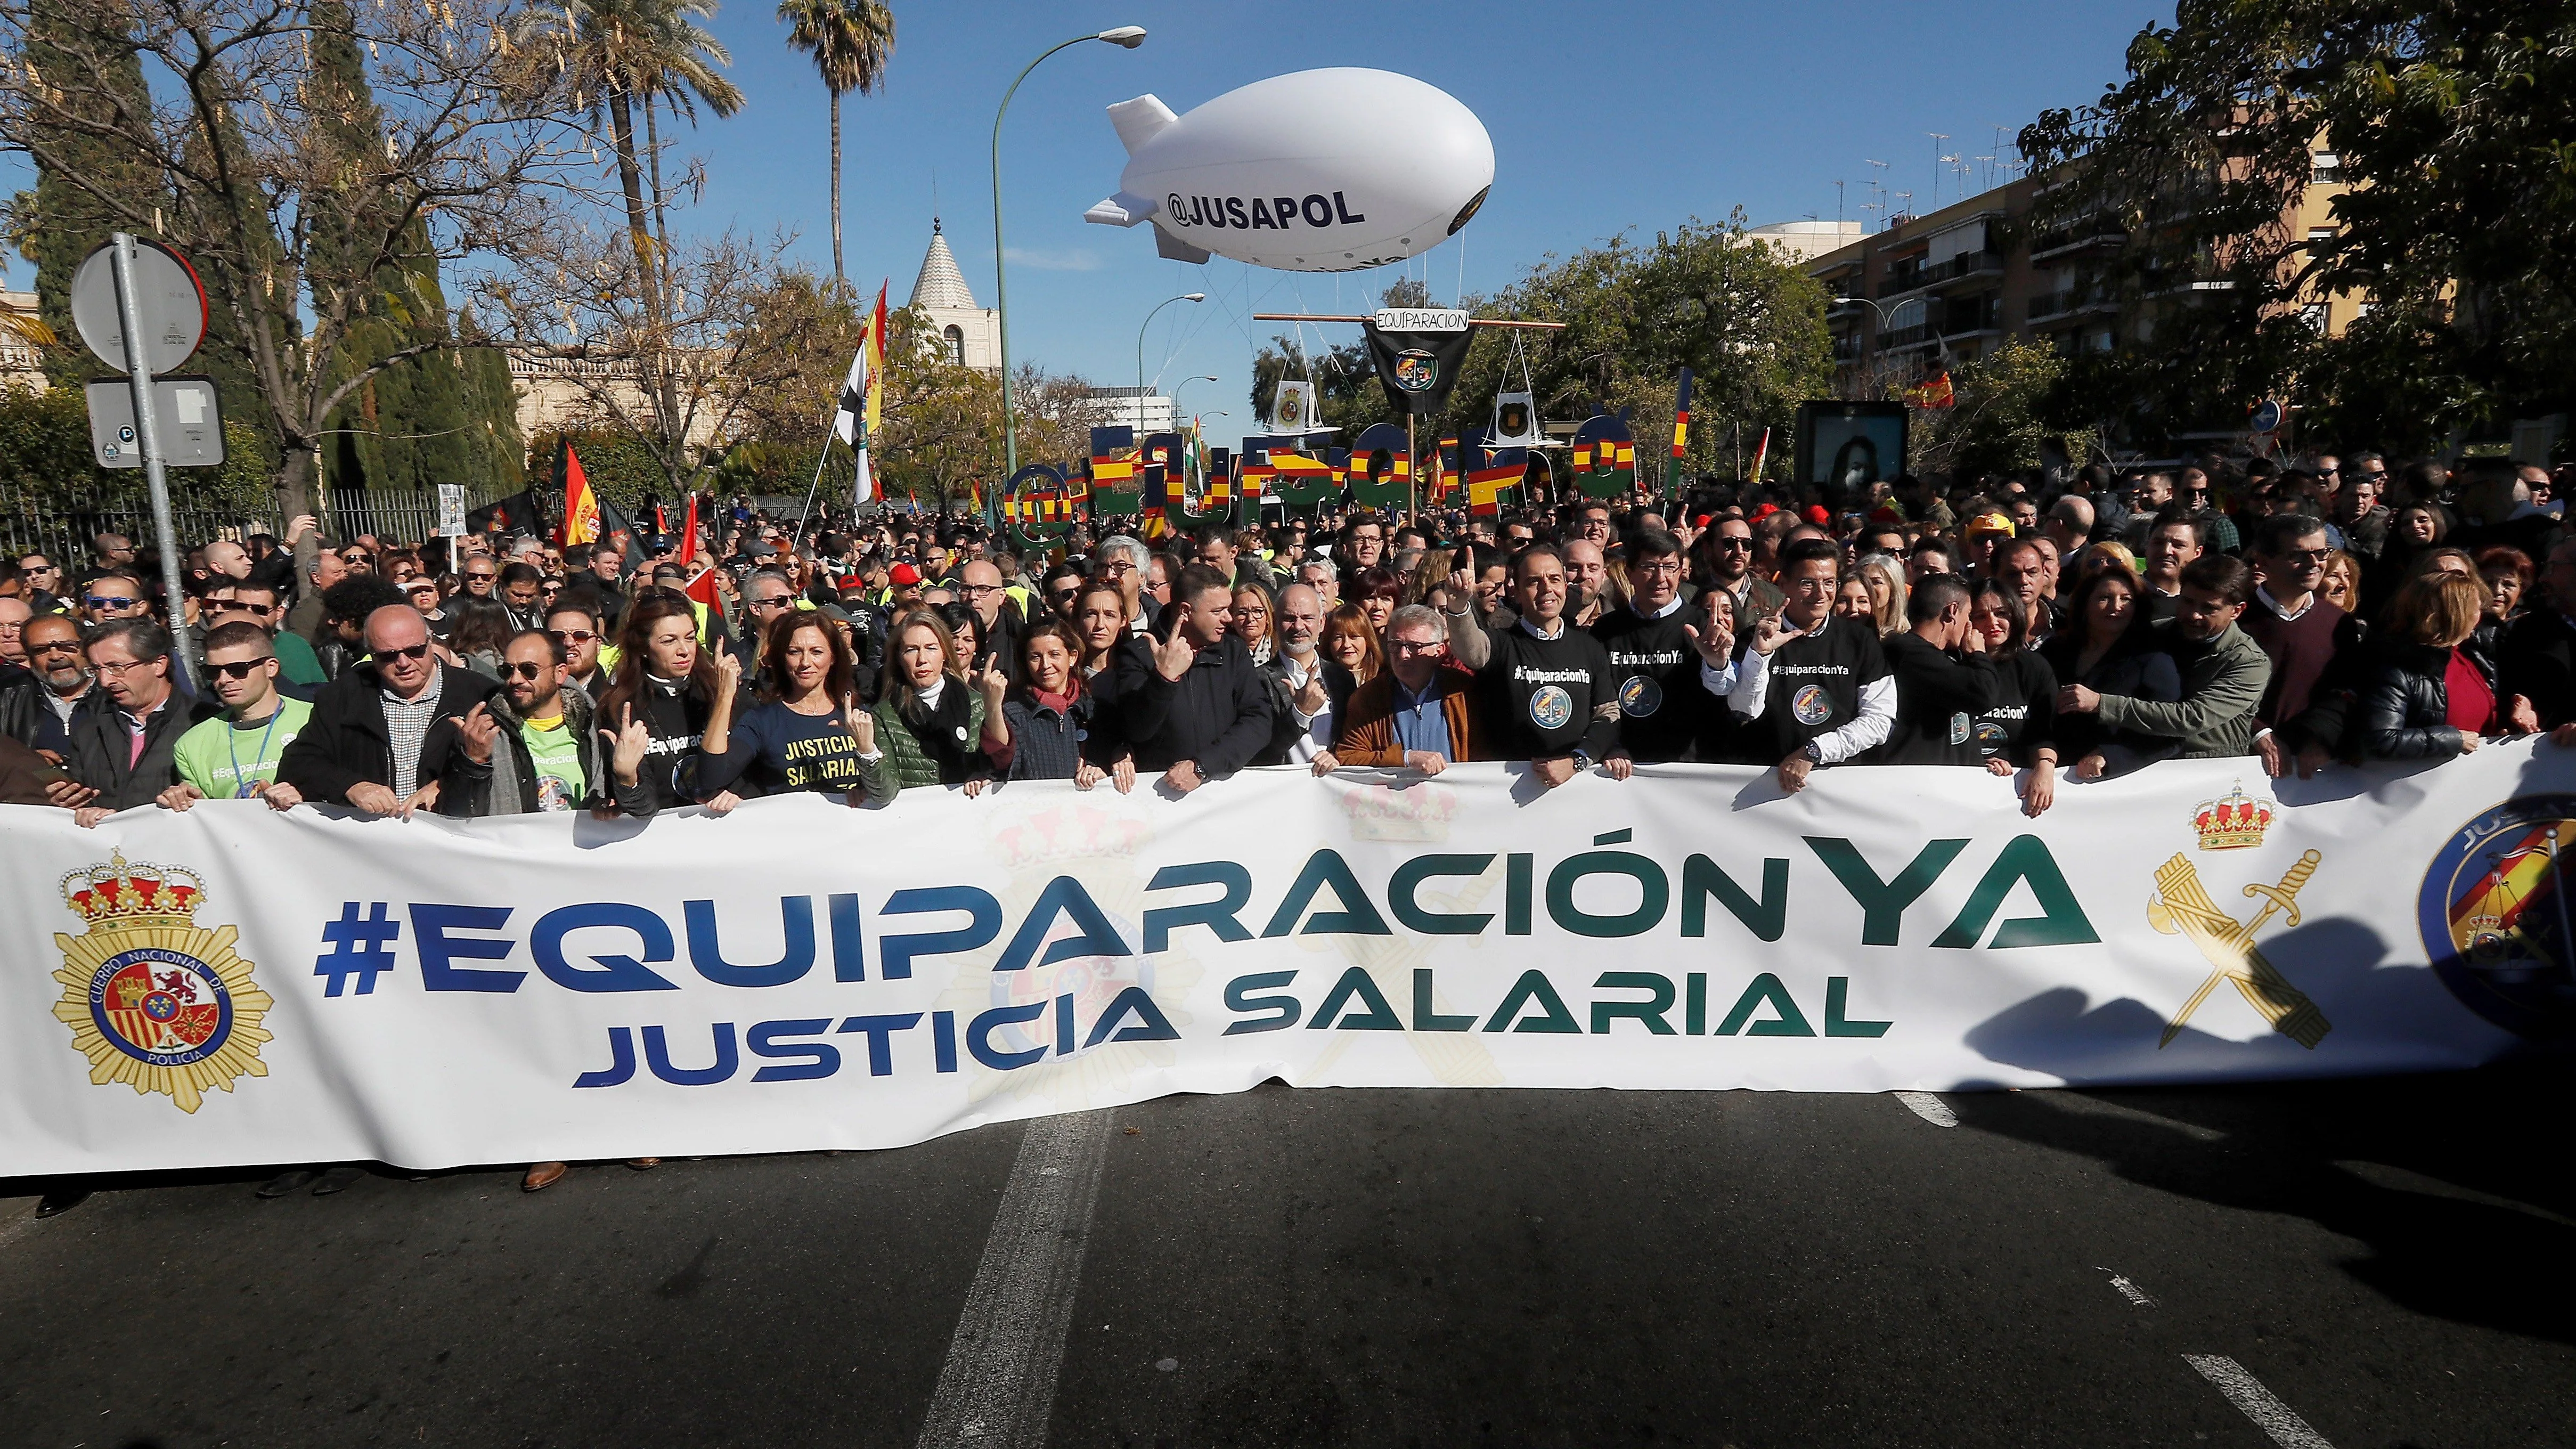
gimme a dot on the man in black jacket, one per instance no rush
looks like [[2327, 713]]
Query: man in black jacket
[[2537, 659], [1944, 679], [386, 732], [123, 736], [1193, 705]]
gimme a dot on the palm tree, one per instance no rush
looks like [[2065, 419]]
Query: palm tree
[[851, 41], [613, 53]]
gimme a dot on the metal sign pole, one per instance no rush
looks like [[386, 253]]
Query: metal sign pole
[[147, 434]]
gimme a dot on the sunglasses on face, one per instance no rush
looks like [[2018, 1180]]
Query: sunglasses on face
[[526, 671], [571, 636], [59, 646], [480, 578], [415, 653], [98, 601], [241, 670]]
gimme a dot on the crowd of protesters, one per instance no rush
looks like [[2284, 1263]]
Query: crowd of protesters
[[2309, 614], [2026, 628]]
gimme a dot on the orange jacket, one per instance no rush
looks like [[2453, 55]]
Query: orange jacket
[[1365, 734]]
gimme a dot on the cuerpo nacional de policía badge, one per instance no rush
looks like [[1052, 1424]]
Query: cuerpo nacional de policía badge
[[153, 999]]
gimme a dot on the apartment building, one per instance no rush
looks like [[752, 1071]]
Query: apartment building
[[1936, 290]]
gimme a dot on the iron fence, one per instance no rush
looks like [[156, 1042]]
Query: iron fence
[[61, 528]]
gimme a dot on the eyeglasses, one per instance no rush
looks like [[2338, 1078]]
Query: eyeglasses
[[484, 578], [1418, 646], [765, 603], [59, 646], [236, 606], [571, 636], [415, 653], [241, 670], [100, 601], [977, 591], [524, 670], [1731, 545], [118, 671]]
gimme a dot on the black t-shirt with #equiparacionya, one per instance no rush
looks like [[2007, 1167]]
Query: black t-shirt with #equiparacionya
[[1659, 694], [1815, 684], [1542, 698]]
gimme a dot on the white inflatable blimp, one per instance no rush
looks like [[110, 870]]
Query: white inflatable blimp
[[1320, 171]]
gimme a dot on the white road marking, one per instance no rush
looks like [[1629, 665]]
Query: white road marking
[[2248, 1394], [1930, 1108], [2129, 1289], [997, 1389]]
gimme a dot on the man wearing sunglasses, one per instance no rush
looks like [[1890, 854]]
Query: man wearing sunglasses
[[386, 734], [299, 670], [544, 751], [114, 596], [124, 744], [42, 580], [235, 757], [574, 626]]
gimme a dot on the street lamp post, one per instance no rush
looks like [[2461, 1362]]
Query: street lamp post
[[1126, 36], [1140, 351], [1176, 395]]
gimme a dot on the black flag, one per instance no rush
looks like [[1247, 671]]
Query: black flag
[[1417, 369]]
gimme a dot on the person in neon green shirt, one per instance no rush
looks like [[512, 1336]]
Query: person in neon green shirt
[[235, 757]]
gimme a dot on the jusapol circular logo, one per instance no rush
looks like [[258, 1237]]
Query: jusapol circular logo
[[2495, 914], [1416, 370], [1550, 707]]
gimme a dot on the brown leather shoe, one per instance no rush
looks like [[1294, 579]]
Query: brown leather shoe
[[643, 1164], [541, 1175]]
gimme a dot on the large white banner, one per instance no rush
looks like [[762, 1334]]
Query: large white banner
[[231, 986]]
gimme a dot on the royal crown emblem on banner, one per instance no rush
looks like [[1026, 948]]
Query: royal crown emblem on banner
[[2233, 821], [153, 999]]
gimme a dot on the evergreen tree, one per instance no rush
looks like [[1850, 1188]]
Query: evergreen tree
[[436, 417]]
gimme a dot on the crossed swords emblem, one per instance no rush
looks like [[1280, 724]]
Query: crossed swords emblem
[[2182, 905]]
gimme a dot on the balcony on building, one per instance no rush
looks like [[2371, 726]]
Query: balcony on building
[[1963, 267]]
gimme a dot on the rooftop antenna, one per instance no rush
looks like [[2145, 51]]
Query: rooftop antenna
[[1838, 203], [1990, 171], [1937, 138]]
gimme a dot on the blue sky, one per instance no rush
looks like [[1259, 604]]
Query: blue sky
[[1604, 117]]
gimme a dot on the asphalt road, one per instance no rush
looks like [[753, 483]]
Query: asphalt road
[[2381, 1263]]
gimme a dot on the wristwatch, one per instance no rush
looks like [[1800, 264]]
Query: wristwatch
[[1582, 761], [1813, 754]]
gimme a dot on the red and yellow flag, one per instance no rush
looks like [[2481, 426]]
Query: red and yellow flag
[[581, 506]]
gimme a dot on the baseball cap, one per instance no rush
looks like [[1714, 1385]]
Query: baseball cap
[[1988, 523], [903, 573], [1817, 515], [854, 585]]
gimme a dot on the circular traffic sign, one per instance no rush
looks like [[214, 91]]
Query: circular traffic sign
[[2267, 417], [170, 300]]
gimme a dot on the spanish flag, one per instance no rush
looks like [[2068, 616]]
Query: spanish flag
[[581, 506], [1681, 436], [1935, 393], [1493, 470], [1444, 468]]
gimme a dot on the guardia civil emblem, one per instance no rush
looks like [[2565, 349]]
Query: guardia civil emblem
[[2182, 905], [153, 999], [1416, 370]]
